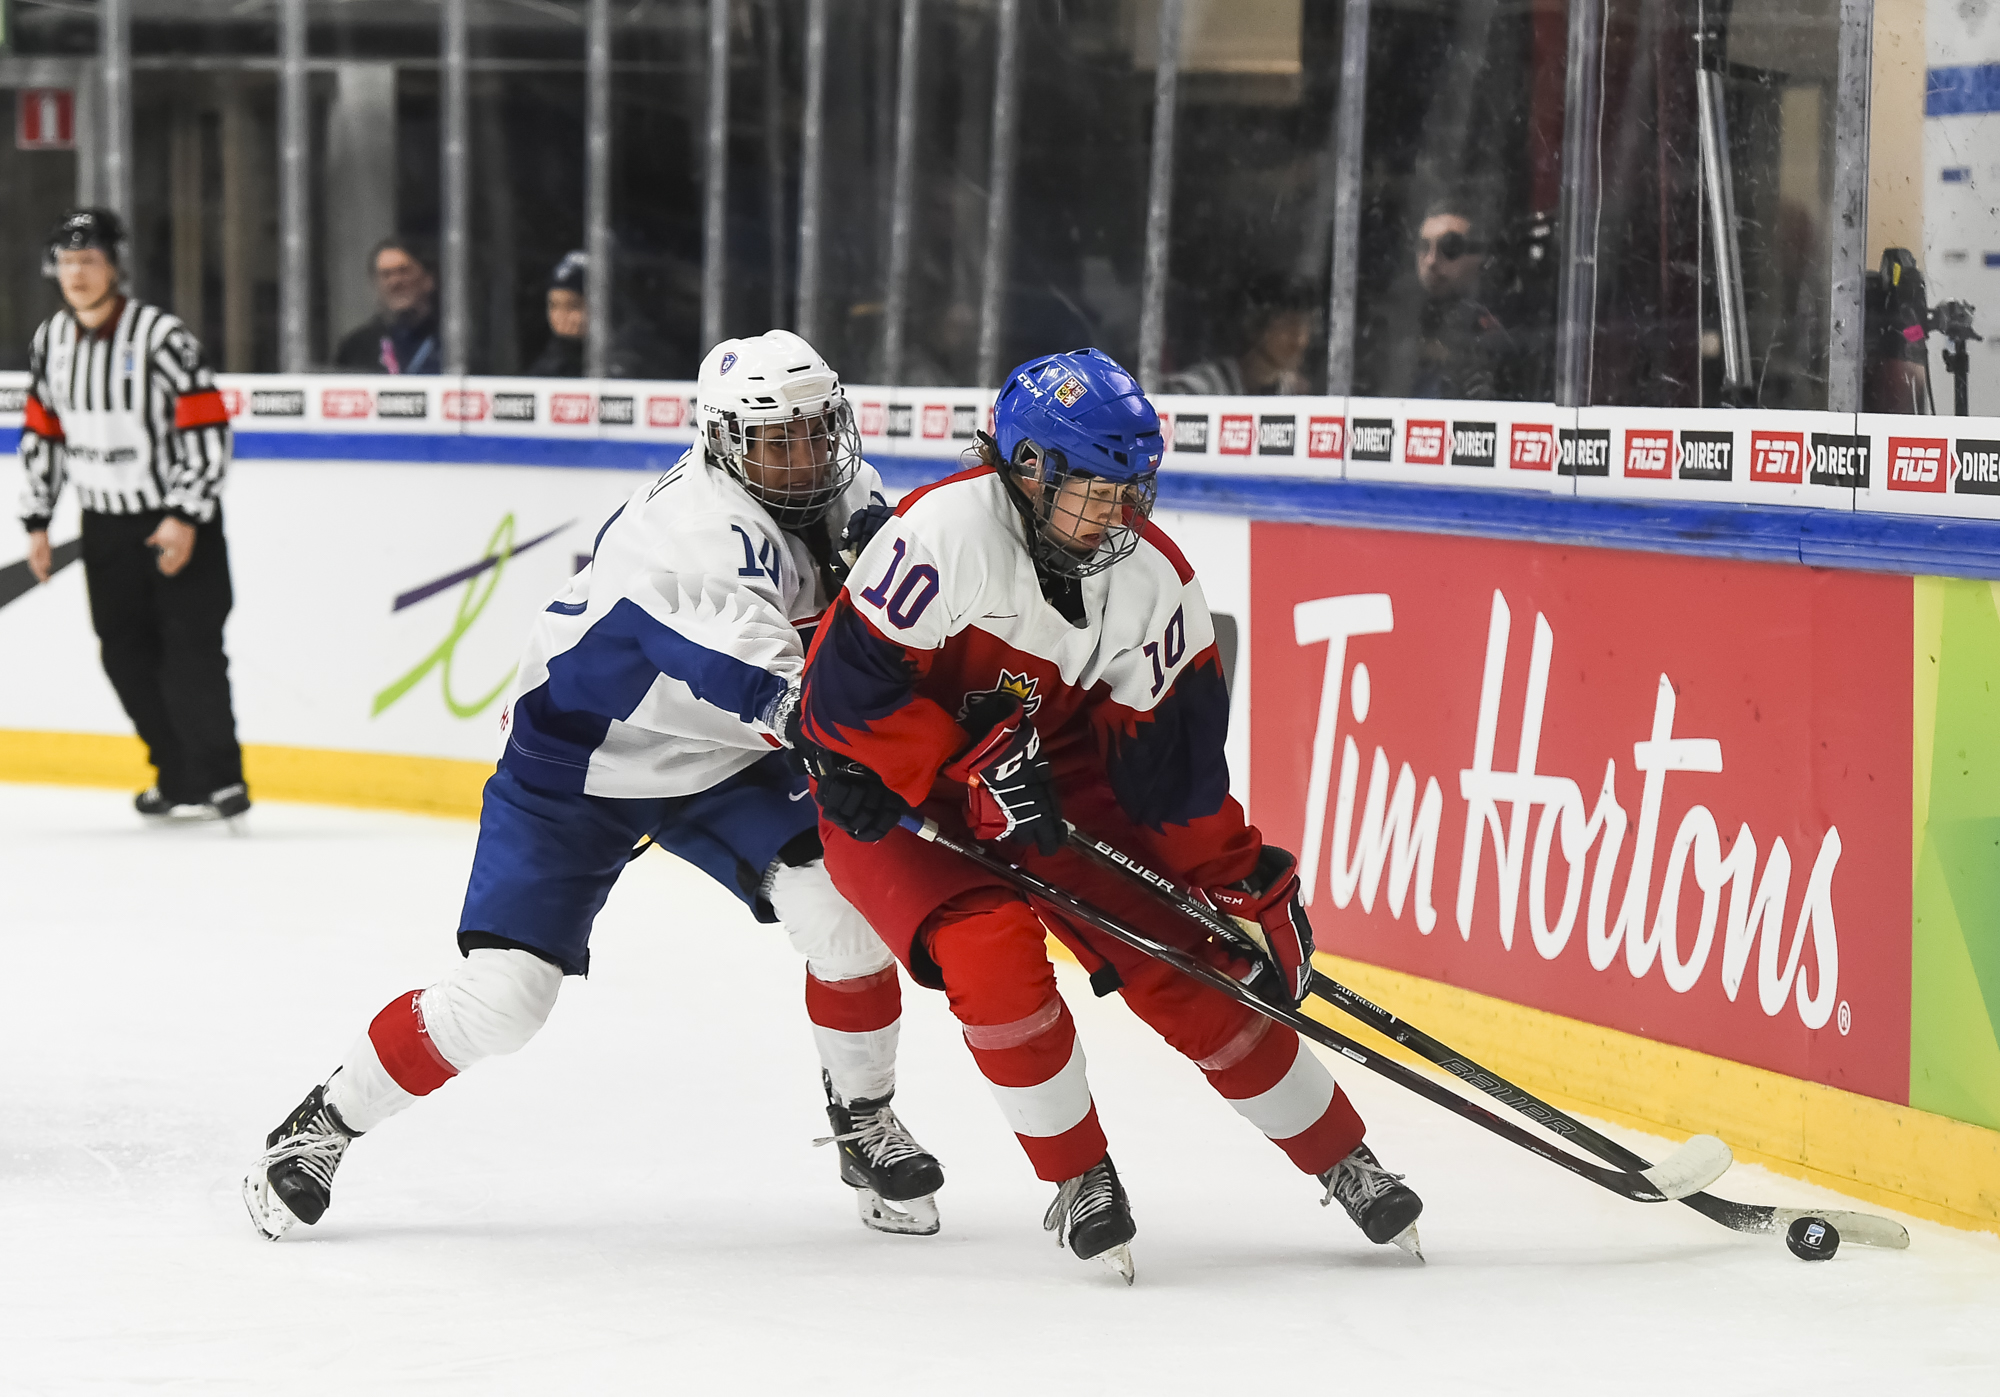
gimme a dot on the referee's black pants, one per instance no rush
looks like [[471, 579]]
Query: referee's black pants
[[161, 639]]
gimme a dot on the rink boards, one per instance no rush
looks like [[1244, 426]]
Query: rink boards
[[1631, 820]]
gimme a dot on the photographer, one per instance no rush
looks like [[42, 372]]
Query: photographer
[[1462, 350], [120, 401]]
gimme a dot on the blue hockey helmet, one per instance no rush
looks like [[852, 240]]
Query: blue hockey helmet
[[1079, 416]]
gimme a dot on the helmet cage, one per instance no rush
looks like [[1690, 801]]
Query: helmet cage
[[1058, 521], [804, 463]]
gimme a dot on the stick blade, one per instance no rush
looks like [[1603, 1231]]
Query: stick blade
[[1691, 1168], [1862, 1229]]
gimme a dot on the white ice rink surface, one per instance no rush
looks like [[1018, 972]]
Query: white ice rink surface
[[632, 1203]]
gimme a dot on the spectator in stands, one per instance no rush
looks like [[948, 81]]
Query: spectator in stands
[[637, 351], [1463, 351], [403, 336], [1273, 335]]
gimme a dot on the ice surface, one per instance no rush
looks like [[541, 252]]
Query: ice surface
[[632, 1203]]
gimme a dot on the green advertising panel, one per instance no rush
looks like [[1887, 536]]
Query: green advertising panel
[[1955, 893]]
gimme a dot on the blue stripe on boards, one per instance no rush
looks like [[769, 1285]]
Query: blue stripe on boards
[[1827, 538], [1964, 91], [1839, 538], [449, 448]]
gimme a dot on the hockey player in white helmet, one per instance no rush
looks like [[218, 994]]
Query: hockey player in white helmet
[[652, 704]]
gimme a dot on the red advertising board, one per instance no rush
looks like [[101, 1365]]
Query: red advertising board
[[1472, 744]]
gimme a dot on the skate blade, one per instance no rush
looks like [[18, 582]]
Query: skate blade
[[268, 1213], [912, 1217], [1407, 1240], [1119, 1259]]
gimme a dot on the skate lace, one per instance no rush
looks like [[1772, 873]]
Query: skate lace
[[317, 1148], [1356, 1182], [1078, 1199], [880, 1136]]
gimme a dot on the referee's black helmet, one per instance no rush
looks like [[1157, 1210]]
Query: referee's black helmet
[[85, 228]]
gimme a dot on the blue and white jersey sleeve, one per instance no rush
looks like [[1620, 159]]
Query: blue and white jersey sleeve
[[649, 675]]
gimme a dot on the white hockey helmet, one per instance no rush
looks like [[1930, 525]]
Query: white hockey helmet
[[773, 415]]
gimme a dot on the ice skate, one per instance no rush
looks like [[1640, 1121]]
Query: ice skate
[[292, 1181], [1381, 1204], [225, 804], [893, 1177], [1093, 1217], [151, 803]]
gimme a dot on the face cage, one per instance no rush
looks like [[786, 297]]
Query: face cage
[[1053, 530], [795, 494]]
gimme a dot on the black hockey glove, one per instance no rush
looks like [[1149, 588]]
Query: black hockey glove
[[1009, 791], [1266, 905], [863, 525], [851, 796]]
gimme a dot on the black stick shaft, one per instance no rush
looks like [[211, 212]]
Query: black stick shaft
[[1619, 1181], [1739, 1217]]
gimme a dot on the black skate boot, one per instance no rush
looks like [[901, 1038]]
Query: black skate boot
[[1093, 1217], [883, 1164], [1382, 1205], [225, 804], [292, 1181], [151, 803]]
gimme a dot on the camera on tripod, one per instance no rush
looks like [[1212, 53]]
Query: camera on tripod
[[1900, 322]]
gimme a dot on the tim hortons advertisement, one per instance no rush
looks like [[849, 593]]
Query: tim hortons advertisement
[[1669, 796]]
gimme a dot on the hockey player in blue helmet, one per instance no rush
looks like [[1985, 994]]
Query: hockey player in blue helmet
[[1020, 646], [1081, 446]]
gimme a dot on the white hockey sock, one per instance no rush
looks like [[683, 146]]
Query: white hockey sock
[[362, 1092], [862, 1066]]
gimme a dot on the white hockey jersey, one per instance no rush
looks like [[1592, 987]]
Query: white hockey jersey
[[653, 671]]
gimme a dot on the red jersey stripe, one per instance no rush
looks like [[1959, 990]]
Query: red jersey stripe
[[41, 421], [202, 409], [1157, 536], [922, 490]]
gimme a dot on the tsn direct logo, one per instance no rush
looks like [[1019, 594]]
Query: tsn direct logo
[[1531, 446]]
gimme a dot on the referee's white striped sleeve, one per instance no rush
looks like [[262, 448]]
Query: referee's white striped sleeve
[[41, 455], [194, 445]]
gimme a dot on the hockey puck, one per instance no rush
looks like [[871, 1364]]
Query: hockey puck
[[1812, 1239]]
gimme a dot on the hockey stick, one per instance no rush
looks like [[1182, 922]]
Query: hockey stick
[[1865, 1229], [1695, 1164]]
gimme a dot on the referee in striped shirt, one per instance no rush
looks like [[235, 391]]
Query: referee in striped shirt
[[120, 402]]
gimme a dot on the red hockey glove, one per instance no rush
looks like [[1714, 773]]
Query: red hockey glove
[[1266, 905], [1009, 791]]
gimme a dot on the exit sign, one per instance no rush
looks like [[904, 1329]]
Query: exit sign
[[45, 119]]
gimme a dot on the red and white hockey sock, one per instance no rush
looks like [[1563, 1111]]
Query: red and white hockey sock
[[853, 997], [993, 951], [389, 1066], [1276, 1084], [1036, 1071], [856, 1024], [491, 1003]]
